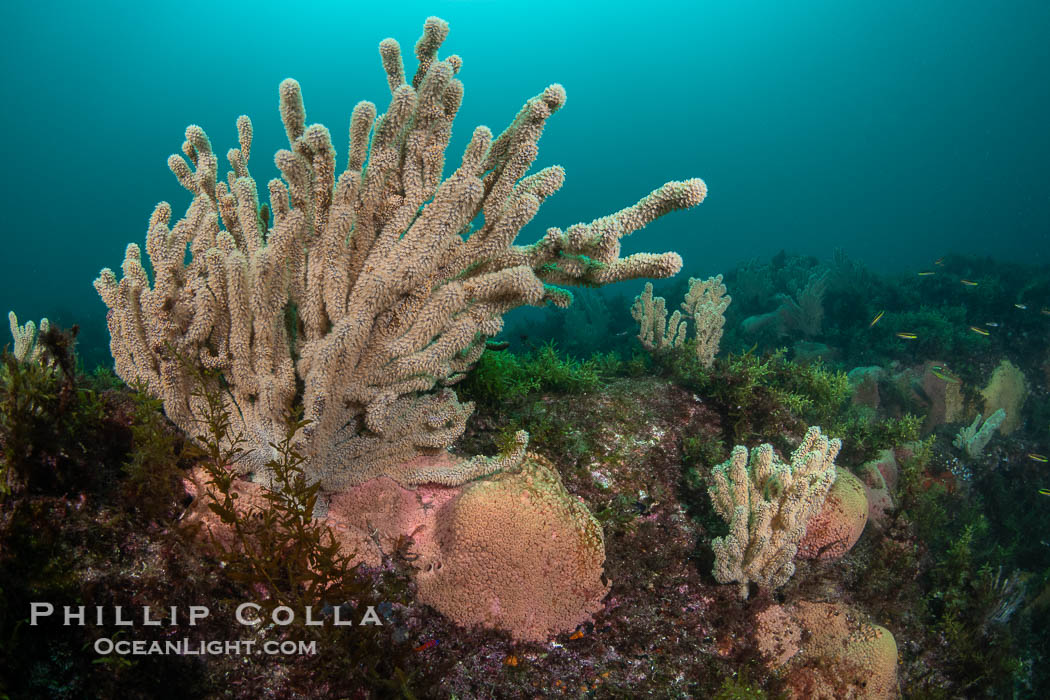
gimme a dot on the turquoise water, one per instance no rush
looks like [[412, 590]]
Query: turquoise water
[[897, 131]]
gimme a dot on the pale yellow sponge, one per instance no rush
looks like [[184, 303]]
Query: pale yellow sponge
[[1007, 390]]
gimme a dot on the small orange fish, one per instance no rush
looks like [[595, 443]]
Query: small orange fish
[[907, 336], [511, 660], [927, 273], [878, 317], [1038, 457], [429, 644], [576, 635], [969, 283], [980, 331]]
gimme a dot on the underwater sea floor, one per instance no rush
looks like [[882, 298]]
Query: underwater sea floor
[[667, 628], [925, 574]]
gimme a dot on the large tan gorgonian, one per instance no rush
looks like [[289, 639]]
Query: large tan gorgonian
[[767, 503], [363, 297]]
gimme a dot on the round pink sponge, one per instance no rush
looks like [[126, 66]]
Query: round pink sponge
[[517, 552], [836, 528]]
